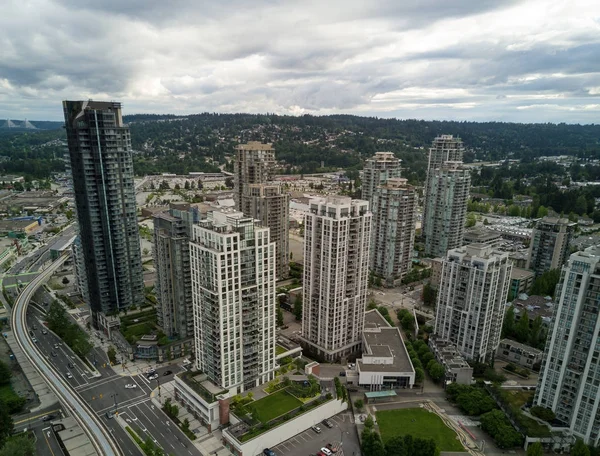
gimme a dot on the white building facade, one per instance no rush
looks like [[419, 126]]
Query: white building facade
[[337, 233], [474, 285], [233, 291], [569, 381]]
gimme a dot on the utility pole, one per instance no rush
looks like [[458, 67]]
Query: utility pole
[[158, 382]]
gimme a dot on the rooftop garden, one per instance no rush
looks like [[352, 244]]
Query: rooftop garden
[[287, 400], [138, 324], [190, 379]]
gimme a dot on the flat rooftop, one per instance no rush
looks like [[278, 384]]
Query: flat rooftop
[[383, 340], [519, 273]]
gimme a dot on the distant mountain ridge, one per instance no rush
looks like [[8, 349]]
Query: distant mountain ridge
[[28, 125]]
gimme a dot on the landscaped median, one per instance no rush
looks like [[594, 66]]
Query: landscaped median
[[147, 446]]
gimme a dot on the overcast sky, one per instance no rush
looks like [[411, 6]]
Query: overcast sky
[[524, 61]]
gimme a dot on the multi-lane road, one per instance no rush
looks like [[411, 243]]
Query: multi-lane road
[[101, 439]]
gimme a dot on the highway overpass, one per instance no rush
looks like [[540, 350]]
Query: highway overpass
[[102, 440]]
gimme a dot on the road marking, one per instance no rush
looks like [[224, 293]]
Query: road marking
[[46, 436], [37, 416]]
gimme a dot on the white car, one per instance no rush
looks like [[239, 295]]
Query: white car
[[69, 375], [326, 452], [153, 377], [130, 386]]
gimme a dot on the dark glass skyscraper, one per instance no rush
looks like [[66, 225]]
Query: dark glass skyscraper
[[102, 167]]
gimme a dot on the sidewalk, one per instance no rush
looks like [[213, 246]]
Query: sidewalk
[[207, 443]]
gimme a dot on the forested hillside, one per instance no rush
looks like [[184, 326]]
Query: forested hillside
[[305, 144]]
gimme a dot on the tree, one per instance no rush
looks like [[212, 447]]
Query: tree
[[508, 326], [419, 375], [65, 280], [429, 295], [279, 316], [229, 182], [580, 449], [536, 331], [5, 374], [395, 446], [20, 445], [187, 185], [145, 251], [436, 371], [371, 444], [522, 328], [581, 205], [298, 307], [6, 423], [497, 425], [535, 449], [112, 354], [359, 404]]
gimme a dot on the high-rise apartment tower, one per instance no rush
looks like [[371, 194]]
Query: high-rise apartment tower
[[253, 164], [445, 213], [102, 167], [378, 169], [393, 231], [549, 247], [268, 204], [258, 197], [569, 380], [233, 292], [444, 149], [172, 233], [337, 232], [472, 293]]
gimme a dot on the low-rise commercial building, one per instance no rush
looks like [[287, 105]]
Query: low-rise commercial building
[[482, 236], [517, 353], [203, 399], [385, 363]]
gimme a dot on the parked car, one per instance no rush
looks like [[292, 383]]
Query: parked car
[[342, 373], [268, 452], [328, 423], [317, 429], [330, 447], [326, 451]]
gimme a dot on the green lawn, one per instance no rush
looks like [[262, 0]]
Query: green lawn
[[279, 349], [418, 423], [274, 405]]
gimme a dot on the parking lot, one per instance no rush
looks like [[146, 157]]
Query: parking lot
[[309, 442]]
